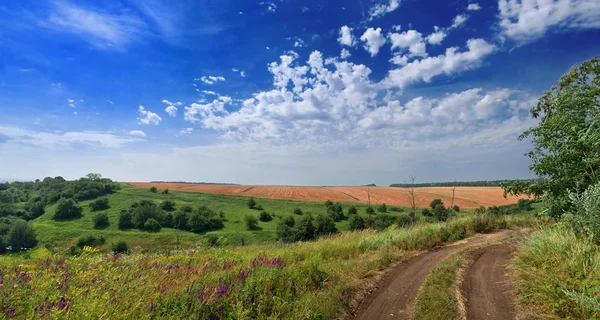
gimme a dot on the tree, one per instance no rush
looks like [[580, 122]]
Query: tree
[[370, 210], [166, 191], [36, 209], [289, 221], [382, 221], [456, 208], [21, 235], [285, 232], [152, 225], [125, 220], [264, 216], [99, 204], [325, 225], [357, 223], [566, 153], [382, 208], [153, 189], [305, 229], [251, 203], [336, 212], [120, 247], [67, 209], [251, 222], [440, 212], [180, 220], [328, 203], [167, 205], [298, 211], [524, 205], [101, 220], [435, 202], [352, 210]]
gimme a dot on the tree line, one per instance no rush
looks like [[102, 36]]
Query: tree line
[[480, 183]]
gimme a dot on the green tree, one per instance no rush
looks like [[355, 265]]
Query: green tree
[[251, 203], [67, 209], [264, 216], [370, 211], [435, 202], [99, 204], [566, 153], [440, 212], [305, 229], [352, 210], [21, 235], [298, 211], [357, 222], [120, 247], [284, 231], [153, 189], [251, 222], [125, 220], [336, 212], [101, 220], [167, 205], [289, 221], [36, 209], [456, 208], [382, 208], [180, 220], [324, 225], [152, 225]]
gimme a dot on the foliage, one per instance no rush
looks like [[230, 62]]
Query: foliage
[[167, 205], [336, 212], [352, 210], [305, 229], [298, 211], [405, 220], [440, 212], [120, 247], [396, 209], [383, 221], [144, 210], [67, 209], [566, 152], [125, 220], [426, 212], [284, 230], [357, 223], [204, 219], [251, 222], [264, 216], [152, 225], [251, 203], [586, 213], [457, 208], [153, 189], [524, 205], [382, 208], [435, 203], [328, 203], [99, 204], [90, 241], [180, 220], [289, 221], [370, 210], [21, 235], [165, 191], [101, 220], [324, 225]]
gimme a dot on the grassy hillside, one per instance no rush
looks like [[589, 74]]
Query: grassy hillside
[[234, 207]]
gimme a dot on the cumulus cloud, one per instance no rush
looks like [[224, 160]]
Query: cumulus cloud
[[240, 72], [346, 38], [171, 108], [459, 20], [49, 140], [373, 40], [451, 62], [210, 79], [345, 54], [272, 7], [410, 40], [138, 133], [148, 117], [382, 9], [436, 37], [473, 7], [186, 131], [526, 21]]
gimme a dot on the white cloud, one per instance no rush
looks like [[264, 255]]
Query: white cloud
[[138, 133], [72, 103], [346, 38], [270, 6], [449, 63], [209, 92], [411, 40], [298, 43], [436, 37], [50, 140], [459, 20], [399, 59], [148, 117], [101, 29], [171, 108], [345, 54], [211, 79], [383, 9], [373, 40], [240, 72], [473, 7], [186, 131], [526, 21]]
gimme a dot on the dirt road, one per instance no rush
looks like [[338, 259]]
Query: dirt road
[[395, 297], [486, 286]]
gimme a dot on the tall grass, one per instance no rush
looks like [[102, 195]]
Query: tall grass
[[313, 280], [558, 275]]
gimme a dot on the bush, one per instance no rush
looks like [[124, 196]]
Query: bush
[[21, 235], [382, 208], [370, 211], [586, 212], [167, 221], [305, 229], [352, 210], [153, 189], [166, 191], [435, 203], [328, 203], [152, 225], [441, 213], [204, 219], [524, 205], [167, 205], [405, 220], [456, 208], [324, 225], [212, 240], [336, 212], [289, 221], [396, 209], [426, 212], [285, 232], [180, 220], [264, 216], [258, 207], [36, 209], [357, 223], [101, 220], [251, 203], [251, 222], [298, 211], [67, 209], [99, 204], [90, 241], [125, 220], [120, 247], [383, 221]]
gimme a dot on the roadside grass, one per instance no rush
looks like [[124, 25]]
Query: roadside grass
[[558, 275], [233, 234], [309, 280]]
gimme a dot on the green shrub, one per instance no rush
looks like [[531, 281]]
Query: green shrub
[[180, 220], [99, 204], [382, 208], [435, 203], [101, 220], [21, 235], [405, 220], [251, 203], [289, 221], [396, 209], [298, 211], [336, 212], [120, 247], [328, 203], [67, 209], [352, 210], [456, 208], [524, 205], [264, 216], [370, 211], [324, 225], [586, 213], [204, 219], [144, 210], [426, 212], [166, 191], [212, 240], [153, 189], [258, 207], [440, 213], [305, 229], [357, 222], [90, 241], [167, 205], [36, 209], [167, 221], [152, 225], [285, 232], [251, 222], [125, 220], [383, 221]]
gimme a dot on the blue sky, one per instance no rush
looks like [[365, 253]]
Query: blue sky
[[280, 92]]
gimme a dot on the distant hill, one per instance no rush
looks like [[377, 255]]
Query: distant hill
[[481, 183]]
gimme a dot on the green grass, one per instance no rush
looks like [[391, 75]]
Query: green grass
[[309, 280], [234, 207], [558, 275]]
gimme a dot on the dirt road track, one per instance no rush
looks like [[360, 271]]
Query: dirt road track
[[486, 286], [395, 297]]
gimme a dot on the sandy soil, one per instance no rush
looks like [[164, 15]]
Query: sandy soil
[[465, 197]]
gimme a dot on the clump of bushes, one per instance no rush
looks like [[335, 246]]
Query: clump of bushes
[[298, 211], [352, 210], [382, 208], [152, 225], [336, 212], [264, 216], [426, 212], [370, 211], [167, 205], [357, 222], [153, 189], [524, 205], [251, 203], [396, 209], [67, 209], [90, 241], [101, 220], [99, 204], [383, 221], [251, 222], [440, 213], [120, 247]]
